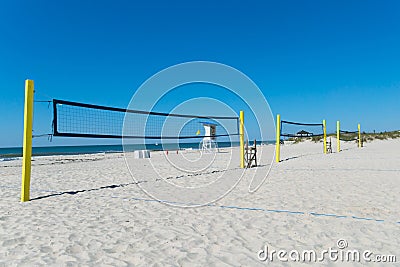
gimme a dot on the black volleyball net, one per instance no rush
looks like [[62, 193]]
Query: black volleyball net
[[291, 129], [73, 119], [348, 136]]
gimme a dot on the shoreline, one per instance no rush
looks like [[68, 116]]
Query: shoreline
[[98, 149], [95, 149]]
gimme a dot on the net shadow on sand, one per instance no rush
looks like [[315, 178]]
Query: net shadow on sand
[[113, 186], [74, 192], [300, 156]]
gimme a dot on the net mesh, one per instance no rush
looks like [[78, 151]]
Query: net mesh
[[72, 119], [348, 136], [301, 130]]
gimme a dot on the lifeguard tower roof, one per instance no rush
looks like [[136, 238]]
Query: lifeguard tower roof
[[208, 123]]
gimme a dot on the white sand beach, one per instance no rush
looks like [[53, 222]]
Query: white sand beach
[[88, 210]]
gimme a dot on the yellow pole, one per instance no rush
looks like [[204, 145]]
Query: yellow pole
[[324, 124], [278, 138], [27, 145], [241, 133], [338, 135], [359, 135]]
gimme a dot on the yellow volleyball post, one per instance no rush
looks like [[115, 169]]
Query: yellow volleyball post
[[241, 133], [338, 136], [324, 124], [278, 138], [359, 135], [27, 145]]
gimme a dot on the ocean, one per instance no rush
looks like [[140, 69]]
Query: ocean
[[15, 152]]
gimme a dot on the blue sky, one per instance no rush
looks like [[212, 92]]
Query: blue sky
[[313, 60]]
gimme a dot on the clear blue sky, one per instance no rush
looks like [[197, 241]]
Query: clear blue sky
[[312, 59]]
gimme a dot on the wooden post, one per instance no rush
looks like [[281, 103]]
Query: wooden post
[[246, 153], [255, 152]]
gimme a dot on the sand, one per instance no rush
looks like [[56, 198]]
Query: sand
[[88, 210]]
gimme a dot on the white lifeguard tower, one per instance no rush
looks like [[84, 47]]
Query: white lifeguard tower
[[208, 143]]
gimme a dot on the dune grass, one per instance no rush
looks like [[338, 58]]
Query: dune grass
[[366, 137]]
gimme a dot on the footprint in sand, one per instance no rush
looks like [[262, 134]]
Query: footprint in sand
[[46, 249], [14, 241], [73, 249]]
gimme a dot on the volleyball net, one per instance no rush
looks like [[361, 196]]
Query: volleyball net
[[82, 120], [291, 129], [298, 130], [73, 119], [348, 136]]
